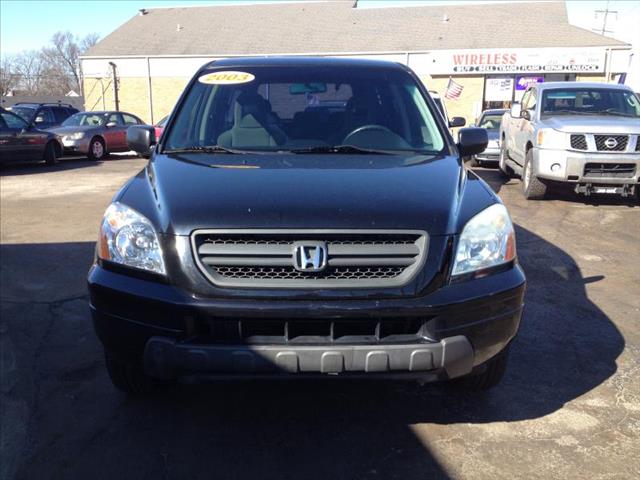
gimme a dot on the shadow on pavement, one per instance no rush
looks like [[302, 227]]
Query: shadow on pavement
[[65, 163], [80, 427], [496, 180]]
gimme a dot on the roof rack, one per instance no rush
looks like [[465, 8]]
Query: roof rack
[[46, 104]]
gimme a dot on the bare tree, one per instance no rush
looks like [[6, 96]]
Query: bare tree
[[62, 59], [8, 79], [28, 69]]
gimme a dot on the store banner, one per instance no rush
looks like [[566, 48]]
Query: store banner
[[522, 83], [509, 61]]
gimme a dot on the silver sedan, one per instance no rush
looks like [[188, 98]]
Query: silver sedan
[[96, 134]]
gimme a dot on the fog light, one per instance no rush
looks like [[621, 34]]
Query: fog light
[[555, 167]]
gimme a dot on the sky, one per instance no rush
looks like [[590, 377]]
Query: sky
[[29, 24]]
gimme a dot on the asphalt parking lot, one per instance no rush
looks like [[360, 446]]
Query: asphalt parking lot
[[569, 406]]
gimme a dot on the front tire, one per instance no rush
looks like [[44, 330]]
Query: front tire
[[128, 377], [50, 154], [532, 186], [97, 150], [491, 375]]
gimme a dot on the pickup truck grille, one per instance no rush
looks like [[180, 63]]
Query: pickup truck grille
[[350, 258], [578, 142], [609, 170], [611, 143]]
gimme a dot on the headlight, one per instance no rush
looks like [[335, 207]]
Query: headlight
[[550, 138], [487, 240], [75, 136], [128, 238]]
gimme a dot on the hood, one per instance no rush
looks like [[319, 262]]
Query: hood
[[72, 129], [191, 191], [593, 124], [493, 134]]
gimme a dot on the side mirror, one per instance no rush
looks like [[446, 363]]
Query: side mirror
[[111, 124], [472, 140], [39, 120], [140, 138], [457, 122], [516, 110], [526, 114]]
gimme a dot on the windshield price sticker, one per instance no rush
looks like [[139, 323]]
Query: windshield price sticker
[[226, 78]]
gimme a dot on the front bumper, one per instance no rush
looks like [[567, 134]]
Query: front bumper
[[80, 146], [569, 166], [159, 326]]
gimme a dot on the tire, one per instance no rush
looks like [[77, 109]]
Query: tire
[[97, 150], [532, 187], [50, 154], [502, 162], [130, 378], [490, 376]]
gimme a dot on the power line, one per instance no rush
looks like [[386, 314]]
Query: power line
[[606, 13]]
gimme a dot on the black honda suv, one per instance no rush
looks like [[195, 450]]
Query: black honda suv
[[305, 217]]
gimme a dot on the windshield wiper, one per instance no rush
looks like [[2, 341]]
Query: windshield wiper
[[204, 149], [613, 111], [349, 149]]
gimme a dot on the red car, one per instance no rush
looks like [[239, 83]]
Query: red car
[[159, 127]]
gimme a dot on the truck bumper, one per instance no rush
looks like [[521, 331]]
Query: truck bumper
[[174, 334], [594, 168]]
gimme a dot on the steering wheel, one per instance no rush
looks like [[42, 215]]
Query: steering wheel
[[375, 136]]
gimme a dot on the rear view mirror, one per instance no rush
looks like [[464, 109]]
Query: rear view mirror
[[457, 122], [140, 138], [516, 110], [472, 140], [304, 88]]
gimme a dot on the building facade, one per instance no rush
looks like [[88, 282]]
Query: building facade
[[494, 51]]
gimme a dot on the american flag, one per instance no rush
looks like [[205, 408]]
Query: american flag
[[454, 90]]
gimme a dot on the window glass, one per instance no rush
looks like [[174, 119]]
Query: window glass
[[60, 114], [84, 119], [12, 121], [115, 118], [491, 121], [284, 108], [25, 112], [44, 115], [590, 101], [129, 119]]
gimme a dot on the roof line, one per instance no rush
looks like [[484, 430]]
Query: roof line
[[245, 4], [331, 54]]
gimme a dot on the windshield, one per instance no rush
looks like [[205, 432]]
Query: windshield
[[84, 119], [293, 109], [590, 101], [25, 112], [490, 121]]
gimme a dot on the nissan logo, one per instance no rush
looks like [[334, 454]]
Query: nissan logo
[[610, 143], [309, 256]]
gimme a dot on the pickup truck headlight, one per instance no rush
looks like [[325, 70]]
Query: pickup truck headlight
[[128, 238], [75, 136], [487, 240], [550, 138]]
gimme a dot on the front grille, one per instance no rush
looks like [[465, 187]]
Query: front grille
[[609, 170], [265, 258], [578, 142], [312, 331], [611, 143]]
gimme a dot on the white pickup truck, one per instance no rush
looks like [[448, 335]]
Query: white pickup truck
[[583, 134]]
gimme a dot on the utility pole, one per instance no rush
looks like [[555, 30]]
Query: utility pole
[[606, 13], [115, 86]]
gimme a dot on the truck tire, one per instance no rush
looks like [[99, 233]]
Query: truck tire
[[130, 378], [491, 374], [532, 187], [502, 162]]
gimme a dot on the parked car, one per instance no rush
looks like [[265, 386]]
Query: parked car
[[96, 134], [582, 134], [43, 115], [442, 108], [159, 127], [350, 245], [490, 121], [20, 141]]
